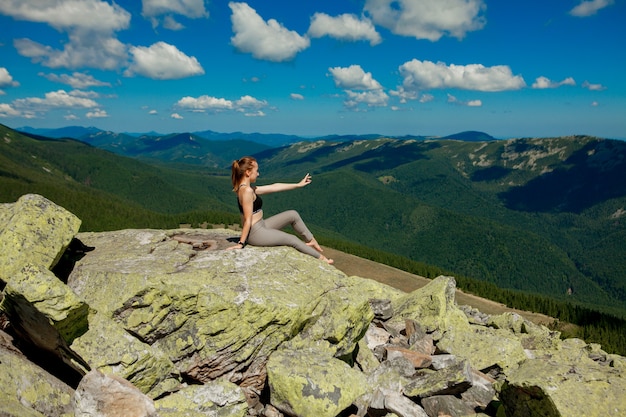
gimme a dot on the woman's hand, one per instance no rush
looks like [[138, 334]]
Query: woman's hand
[[305, 181]]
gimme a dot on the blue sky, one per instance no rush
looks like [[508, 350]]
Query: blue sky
[[316, 67]]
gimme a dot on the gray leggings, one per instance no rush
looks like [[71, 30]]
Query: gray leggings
[[266, 232]]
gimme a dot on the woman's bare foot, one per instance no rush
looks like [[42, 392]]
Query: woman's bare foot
[[313, 243], [327, 260]]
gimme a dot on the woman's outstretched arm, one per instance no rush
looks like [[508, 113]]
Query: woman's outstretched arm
[[280, 186]]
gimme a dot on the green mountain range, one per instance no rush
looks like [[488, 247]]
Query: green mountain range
[[539, 215]]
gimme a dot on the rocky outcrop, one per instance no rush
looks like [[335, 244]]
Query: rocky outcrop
[[168, 323]]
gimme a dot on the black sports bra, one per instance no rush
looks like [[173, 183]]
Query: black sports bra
[[257, 205]]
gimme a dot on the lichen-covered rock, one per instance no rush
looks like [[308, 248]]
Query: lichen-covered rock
[[44, 308], [219, 398], [34, 231], [312, 383], [26, 390], [110, 349], [531, 335], [559, 388], [452, 380], [214, 312], [484, 347], [432, 306]]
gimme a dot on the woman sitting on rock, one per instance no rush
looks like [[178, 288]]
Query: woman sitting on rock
[[259, 232]]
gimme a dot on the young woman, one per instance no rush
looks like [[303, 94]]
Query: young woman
[[266, 232]]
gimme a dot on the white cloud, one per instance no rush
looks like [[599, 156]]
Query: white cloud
[[428, 19], [589, 8], [30, 107], [192, 9], [594, 104], [70, 117], [470, 103], [593, 87], [69, 15], [246, 104], [205, 103], [76, 80], [404, 95], [83, 50], [6, 110], [264, 40], [90, 25], [176, 116], [55, 100], [354, 78], [162, 61], [372, 98], [426, 75], [153, 112], [296, 96], [97, 114], [249, 102], [170, 23], [347, 27], [544, 82], [351, 78], [6, 80]]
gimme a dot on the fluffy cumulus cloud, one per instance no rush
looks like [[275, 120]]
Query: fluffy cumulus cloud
[[346, 27], [589, 8], [155, 9], [371, 98], [60, 99], [97, 114], [269, 40], [544, 82], [32, 107], [353, 78], [427, 75], [369, 92], [7, 110], [162, 61], [6, 79], [76, 80], [296, 96], [91, 41], [428, 19], [247, 105]]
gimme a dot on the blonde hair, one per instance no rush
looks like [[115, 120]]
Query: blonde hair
[[239, 168]]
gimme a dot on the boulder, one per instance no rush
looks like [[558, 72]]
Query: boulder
[[27, 390], [210, 313], [219, 398], [100, 395], [432, 306], [34, 231], [568, 383], [484, 347], [310, 382], [42, 309]]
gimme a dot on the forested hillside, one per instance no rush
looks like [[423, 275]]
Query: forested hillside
[[456, 205]]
